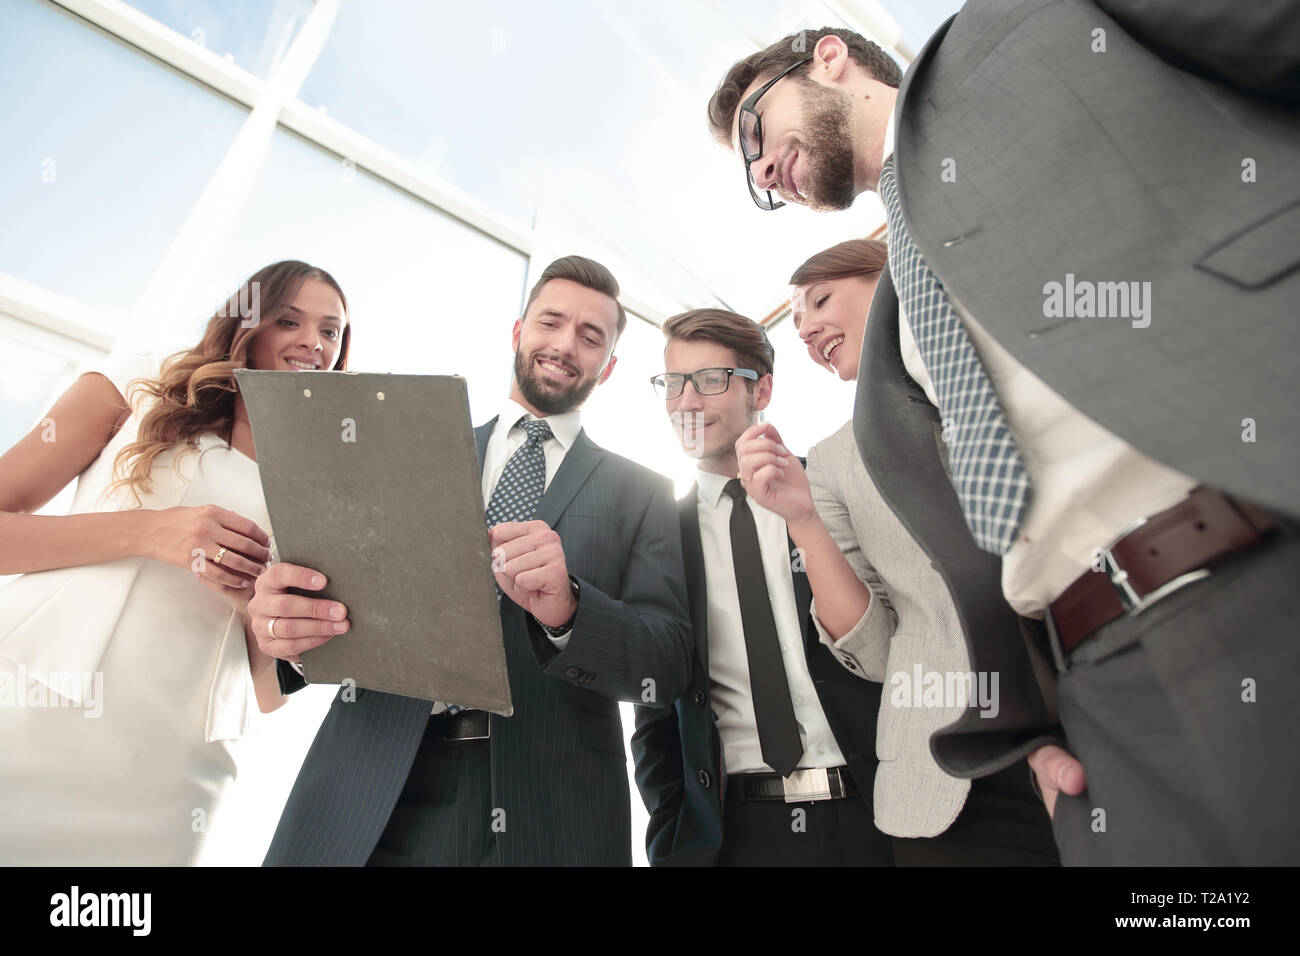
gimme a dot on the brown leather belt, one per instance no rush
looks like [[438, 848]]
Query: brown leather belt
[[1157, 557]]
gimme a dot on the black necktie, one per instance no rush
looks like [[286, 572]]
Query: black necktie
[[778, 732]]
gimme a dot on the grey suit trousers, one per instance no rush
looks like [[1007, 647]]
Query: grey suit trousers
[[1185, 719]]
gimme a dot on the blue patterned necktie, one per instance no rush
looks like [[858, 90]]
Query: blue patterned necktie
[[520, 488], [991, 481]]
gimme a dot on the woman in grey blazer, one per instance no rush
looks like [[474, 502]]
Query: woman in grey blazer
[[882, 609]]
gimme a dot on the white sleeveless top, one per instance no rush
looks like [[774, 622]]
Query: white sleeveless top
[[124, 685]]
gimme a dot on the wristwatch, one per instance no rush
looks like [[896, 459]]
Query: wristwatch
[[568, 625]]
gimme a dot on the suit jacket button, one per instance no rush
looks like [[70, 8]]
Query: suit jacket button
[[586, 678], [704, 779], [571, 673], [699, 697]]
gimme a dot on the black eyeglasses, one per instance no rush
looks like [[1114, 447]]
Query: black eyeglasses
[[707, 381], [751, 136]]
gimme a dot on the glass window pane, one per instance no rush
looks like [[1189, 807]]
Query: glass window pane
[[454, 90], [253, 34], [584, 120], [29, 376], [426, 293], [103, 151]]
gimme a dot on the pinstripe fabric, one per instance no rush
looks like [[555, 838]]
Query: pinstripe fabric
[[431, 826], [559, 782]]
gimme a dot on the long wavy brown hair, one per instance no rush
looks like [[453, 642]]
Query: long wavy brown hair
[[196, 388]]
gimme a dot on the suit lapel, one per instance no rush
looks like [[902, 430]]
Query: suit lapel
[[896, 429], [802, 589], [481, 436], [579, 462], [688, 512], [802, 593]]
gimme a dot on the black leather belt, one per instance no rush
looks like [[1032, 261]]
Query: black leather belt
[[467, 725], [802, 786]]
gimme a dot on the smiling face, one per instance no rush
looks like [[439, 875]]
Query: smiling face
[[708, 425], [305, 335], [564, 347], [831, 317], [823, 127], [808, 155]]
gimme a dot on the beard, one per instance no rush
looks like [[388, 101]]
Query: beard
[[545, 396], [829, 147]]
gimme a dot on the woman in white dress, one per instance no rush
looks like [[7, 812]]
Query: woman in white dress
[[126, 671]]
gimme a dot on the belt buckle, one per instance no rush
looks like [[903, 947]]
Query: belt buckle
[[1133, 603], [804, 786]]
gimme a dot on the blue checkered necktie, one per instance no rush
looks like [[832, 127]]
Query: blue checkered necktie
[[520, 488], [991, 481]]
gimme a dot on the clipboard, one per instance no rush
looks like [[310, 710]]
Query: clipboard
[[373, 480]]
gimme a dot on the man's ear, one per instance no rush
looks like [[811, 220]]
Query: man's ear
[[613, 360], [514, 335], [831, 59], [763, 392]]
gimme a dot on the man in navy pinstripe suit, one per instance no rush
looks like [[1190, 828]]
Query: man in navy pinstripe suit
[[593, 612]]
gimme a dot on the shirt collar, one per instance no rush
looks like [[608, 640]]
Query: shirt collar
[[564, 427], [710, 486]]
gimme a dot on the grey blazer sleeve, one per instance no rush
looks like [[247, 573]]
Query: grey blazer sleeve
[[634, 645], [864, 650], [1255, 45]]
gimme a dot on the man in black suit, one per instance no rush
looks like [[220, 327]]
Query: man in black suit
[[587, 554], [1095, 279], [768, 759]]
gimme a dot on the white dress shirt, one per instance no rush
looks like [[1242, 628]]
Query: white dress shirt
[[1088, 485], [733, 700]]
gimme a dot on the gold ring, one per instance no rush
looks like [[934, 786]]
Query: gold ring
[[221, 553], [270, 629]]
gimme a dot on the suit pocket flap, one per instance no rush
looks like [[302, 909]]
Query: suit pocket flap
[[1260, 254]]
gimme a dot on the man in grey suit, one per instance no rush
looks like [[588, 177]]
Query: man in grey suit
[[1093, 211], [587, 553]]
